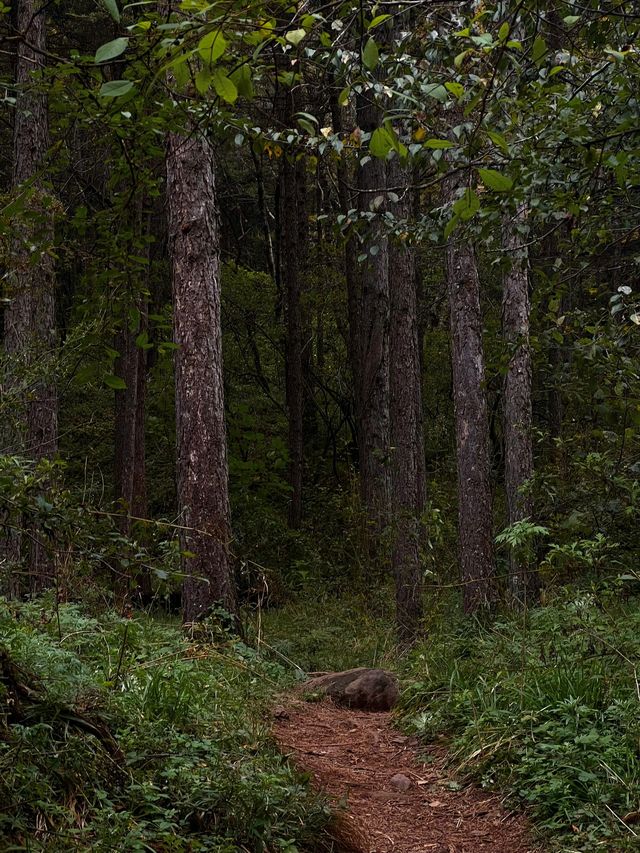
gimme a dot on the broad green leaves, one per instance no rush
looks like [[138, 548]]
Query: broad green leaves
[[112, 8], [370, 54], [494, 180], [111, 50], [116, 88], [294, 37], [224, 86], [467, 206], [383, 140], [212, 46]]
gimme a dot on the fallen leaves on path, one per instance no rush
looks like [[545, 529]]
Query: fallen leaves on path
[[394, 802]]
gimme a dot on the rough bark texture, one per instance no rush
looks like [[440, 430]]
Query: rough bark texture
[[202, 476], [523, 579], [29, 319], [352, 333], [406, 420], [475, 551], [290, 214], [372, 330]]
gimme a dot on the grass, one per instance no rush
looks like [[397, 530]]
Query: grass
[[546, 707], [122, 734]]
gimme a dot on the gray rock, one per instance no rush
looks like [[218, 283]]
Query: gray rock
[[362, 688], [401, 782]]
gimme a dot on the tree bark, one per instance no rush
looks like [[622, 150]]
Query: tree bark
[[202, 475], [129, 435], [29, 319], [475, 547], [517, 410], [374, 439], [406, 420], [290, 197]]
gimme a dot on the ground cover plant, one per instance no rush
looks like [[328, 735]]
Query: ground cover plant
[[545, 706], [123, 734]]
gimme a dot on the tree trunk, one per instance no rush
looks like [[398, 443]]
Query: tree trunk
[[406, 420], [475, 547], [29, 319], [374, 437], [523, 579], [202, 476], [289, 254]]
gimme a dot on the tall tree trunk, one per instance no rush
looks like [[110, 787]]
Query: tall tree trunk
[[352, 336], [374, 437], [29, 319], [202, 475], [523, 579], [406, 420], [475, 547], [290, 197]]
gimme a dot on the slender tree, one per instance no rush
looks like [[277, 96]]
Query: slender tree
[[406, 418], [475, 541], [29, 318], [372, 330], [517, 408], [202, 476]]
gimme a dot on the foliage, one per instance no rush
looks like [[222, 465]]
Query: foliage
[[193, 768], [545, 706]]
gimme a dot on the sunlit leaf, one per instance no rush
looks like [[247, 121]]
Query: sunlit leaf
[[224, 86], [294, 37], [494, 180], [212, 46]]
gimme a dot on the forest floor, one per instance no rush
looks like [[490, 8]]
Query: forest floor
[[397, 798]]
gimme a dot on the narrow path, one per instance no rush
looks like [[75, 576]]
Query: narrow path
[[394, 802]]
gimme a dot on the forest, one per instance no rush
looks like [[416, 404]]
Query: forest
[[320, 354]]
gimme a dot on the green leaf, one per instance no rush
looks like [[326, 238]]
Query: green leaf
[[224, 86], [503, 32], [456, 89], [459, 59], [370, 54], [305, 124], [116, 88], [212, 46], [203, 80], [381, 142], [539, 49], [570, 20], [294, 37], [438, 143], [115, 382], [494, 180], [112, 8], [241, 78], [379, 19], [467, 206], [343, 97], [437, 91], [451, 224], [499, 140], [111, 49]]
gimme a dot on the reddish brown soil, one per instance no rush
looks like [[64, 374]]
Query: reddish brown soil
[[353, 756]]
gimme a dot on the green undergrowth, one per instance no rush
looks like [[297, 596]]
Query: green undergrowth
[[123, 734], [546, 707], [319, 633]]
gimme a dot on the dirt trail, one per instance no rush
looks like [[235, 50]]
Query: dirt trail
[[355, 755]]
